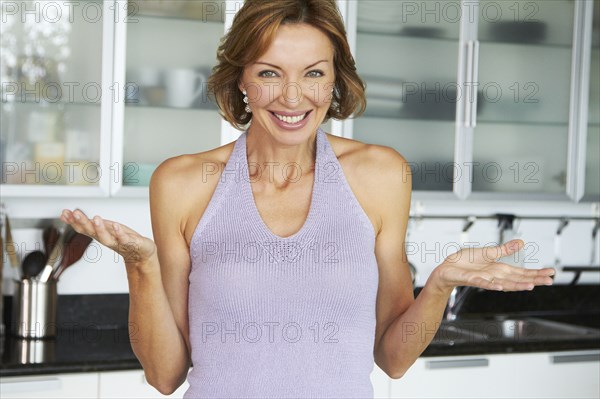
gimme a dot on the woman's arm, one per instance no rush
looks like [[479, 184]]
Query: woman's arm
[[158, 281], [405, 325]]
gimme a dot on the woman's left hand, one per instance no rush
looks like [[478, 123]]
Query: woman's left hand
[[479, 267]]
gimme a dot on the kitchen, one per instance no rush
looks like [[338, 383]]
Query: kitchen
[[86, 84]]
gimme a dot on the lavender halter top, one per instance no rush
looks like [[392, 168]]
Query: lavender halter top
[[282, 317]]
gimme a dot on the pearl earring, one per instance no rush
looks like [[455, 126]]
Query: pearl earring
[[247, 109]]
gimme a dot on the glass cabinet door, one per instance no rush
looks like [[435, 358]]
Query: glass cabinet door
[[51, 60], [407, 53], [592, 170], [171, 47], [521, 139]]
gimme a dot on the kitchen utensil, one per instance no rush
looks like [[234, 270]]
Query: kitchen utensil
[[34, 309], [74, 250], [508, 232], [594, 246], [33, 264], [11, 249], [33, 351], [50, 237], [55, 256], [557, 242]]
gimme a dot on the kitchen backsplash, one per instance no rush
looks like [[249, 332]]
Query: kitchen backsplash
[[429, 240]]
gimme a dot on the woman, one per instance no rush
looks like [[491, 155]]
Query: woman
[[278, 265]]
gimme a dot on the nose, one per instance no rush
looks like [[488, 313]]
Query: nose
[[291, 94]]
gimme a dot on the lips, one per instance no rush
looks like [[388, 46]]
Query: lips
[[290, 117], [290, 121]]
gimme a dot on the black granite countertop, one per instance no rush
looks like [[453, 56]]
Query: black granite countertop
[[93, 335]]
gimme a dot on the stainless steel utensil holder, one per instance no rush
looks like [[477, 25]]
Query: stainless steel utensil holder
[[34, 309]]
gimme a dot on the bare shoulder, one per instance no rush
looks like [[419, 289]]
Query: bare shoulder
[[372, 164], [378, 175], [187, 182]]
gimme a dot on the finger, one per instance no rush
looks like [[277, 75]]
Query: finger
[[83, 224], [103, 235], [521, 282], [67, 216]]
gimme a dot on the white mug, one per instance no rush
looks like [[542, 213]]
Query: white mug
[[183, 86]]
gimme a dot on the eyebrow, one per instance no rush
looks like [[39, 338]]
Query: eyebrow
[[275, 66]]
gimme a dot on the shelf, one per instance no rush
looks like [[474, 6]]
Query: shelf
[[59, 104], [510, 122], [173, 18], [197, 10], [166, 107], [51, 191], [455, 40]]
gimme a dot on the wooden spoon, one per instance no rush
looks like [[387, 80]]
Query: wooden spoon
[[74, 250]]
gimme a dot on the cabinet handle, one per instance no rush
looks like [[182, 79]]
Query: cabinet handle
[[588, 357], [50, 384], [468, 83], [474, 80], [451, 364]]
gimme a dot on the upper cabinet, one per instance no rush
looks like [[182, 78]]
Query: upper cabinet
[[410, 67], [482, 97], [592, 157], [521, 135], [55, 66], [485, 99], [164, 54]]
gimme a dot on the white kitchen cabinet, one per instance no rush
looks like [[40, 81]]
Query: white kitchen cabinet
[[524, 375], [472, 77], [381, 383], [153, 104], [56, 98], [60, 386], [131, 384]]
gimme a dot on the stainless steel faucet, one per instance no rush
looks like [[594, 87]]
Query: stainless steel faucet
[[457, 300]]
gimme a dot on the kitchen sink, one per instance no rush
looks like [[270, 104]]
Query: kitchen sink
[[511, 329], [532, 329], [450, 333]]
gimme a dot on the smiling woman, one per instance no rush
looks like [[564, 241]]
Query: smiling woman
[[294, 282], [258, 23]]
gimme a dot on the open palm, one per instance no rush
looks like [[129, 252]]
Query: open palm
[[133, 247], [480, 267]]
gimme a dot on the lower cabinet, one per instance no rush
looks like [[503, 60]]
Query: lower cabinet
[[80, 385], [381, 383], [131, 384], [524, 375]]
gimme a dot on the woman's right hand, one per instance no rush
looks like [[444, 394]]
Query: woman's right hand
[[135, 249]]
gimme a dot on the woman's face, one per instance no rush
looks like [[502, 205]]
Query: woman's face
[[289, 88]]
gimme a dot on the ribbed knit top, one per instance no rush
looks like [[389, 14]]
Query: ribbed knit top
[[280, 317]]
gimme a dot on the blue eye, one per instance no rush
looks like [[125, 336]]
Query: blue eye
[[263, 74]]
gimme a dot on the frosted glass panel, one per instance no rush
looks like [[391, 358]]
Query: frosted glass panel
[[51, 79], [523, 112], [171, 48], [407, 53]]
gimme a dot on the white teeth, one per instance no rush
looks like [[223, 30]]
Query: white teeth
[[290, 119]]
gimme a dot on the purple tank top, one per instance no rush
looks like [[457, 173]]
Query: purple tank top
[[278, 317]]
